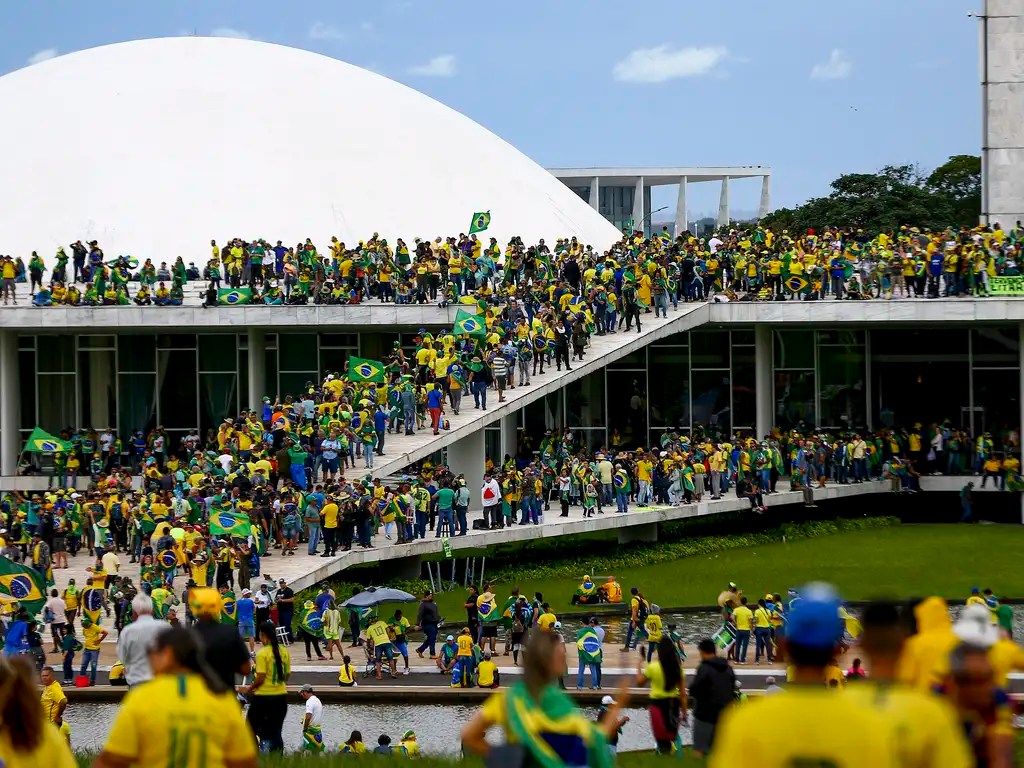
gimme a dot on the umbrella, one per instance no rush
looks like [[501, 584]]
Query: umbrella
[[376, 596]]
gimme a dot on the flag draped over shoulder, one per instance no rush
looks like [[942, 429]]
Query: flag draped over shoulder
[[41, 441], [589, 645], [621, 482], [92, 603], [468, 324], [229, 523], [360, 369], [228, 608], [480, 222], [311, 620], [230, 297], [23, 584], [553, 730], [487, 608]]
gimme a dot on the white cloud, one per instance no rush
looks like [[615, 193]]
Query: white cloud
[[239, 34], [40, 56], [322, 31], [661, 63], [838, 67], [439, 66]]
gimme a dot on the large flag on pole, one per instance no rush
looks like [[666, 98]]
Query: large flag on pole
[[365, 370], [23, 584], [228, 523], [41, 441], [470, 325], [480, 222]]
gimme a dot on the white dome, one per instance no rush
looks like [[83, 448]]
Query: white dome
[[155, 147]]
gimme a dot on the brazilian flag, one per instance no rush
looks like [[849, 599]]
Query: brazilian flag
[[365, 370], [23, 584], [41, 441], [311, 621], [588, 644], [231, 297], [228, 608], [488, 609], [468, 324], [577, 304], [796, 284], [228, 523], [480, 222], [92, 603], [540, 343], [621, 482]]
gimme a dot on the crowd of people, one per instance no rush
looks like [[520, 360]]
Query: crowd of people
[[754, 262]]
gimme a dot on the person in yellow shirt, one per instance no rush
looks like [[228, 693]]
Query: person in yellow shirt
[[53, 698], [925, 660], [185, 716], [653, 626], [487, 672], [845, 734], [743, 618], [546, 621], [763, 632], [1006, 657], [269, 690], [27, 739]]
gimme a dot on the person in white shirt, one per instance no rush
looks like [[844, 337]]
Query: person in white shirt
[[134, 642], [490, 495], [312, 735], [226, 461], [263, 600], [56, 609]]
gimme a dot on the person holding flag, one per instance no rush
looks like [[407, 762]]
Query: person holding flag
[[623, 487], [590, 652]]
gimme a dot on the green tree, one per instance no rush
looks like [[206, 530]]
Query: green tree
[[959, 180]]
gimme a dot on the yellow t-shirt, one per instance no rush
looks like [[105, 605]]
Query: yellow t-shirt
[[1005, 657], [378, 632], [762, 619], [51, 698], [845, 734], [273, 685], [743, 617], [91, 635], [346, 674], [330, 512], [643, 470], [465, 643], [653, 626], [656, 675], [486, 671], [928, 730], [546, 621], [52, 751], [190, 728]]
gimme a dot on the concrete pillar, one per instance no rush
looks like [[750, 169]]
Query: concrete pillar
[[509, 435], [10, 406], [681, 223], [257, 370], [763, 396], [466, 458], [766, 197], [723, 204], [595, 193], [647, 533], [638, 204], [410, 568]]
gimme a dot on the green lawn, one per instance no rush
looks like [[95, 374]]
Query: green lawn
[[898, 562]]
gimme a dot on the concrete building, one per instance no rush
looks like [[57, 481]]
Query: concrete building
[[623, 195], [1002, 83]]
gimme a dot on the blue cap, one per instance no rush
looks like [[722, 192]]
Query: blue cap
[[975, 591], [814, 620]]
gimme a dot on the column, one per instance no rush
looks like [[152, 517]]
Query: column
[[638, 204], [257, 370], [10, 440], [466, 458], [723, 204], [681, 223], [766, 196], [510, 435], [595, 194], [763, 396], [646, 533]]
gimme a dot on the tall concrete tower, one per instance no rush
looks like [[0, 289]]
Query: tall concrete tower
[[1002, 117]]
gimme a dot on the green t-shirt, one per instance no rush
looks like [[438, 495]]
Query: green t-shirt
[[445, 498]]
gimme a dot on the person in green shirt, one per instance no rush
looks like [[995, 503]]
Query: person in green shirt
[[445, 498]]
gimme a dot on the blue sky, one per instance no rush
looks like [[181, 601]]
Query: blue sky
[[812, 89]]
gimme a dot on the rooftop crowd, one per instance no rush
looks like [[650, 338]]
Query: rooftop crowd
[[754, 263]]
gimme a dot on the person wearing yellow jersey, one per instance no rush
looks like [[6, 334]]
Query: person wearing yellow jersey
[[653, 626], [929, 734], [845, 734], [762, 632], [925, 660], [487, 672], [347, 673], [186, 716], [27, 738], [269, 703], [53, 698], [546, 621], [743, 618], [377, 633], [667, 706]]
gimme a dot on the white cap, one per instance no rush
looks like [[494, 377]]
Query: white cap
[[75, 496], [607, 701], [450, 637]]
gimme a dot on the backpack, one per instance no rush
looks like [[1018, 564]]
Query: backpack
[[642, 610]]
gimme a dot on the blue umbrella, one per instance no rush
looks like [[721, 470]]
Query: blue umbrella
[[377, 595]]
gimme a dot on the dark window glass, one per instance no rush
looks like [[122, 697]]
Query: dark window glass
[[929, 343], [743, 336], [710, 401], [744, 403], [794, 399], [217, 352], [176, 341], [627, 408], [794, 349], [97, 387], [995, 346], [843, 393], [136, 353], [709, 349], [27, 385], [841, 337], [136, 403], [997, 401], [339, 340], [97, 342], [926, 391], [637, 359], [297, 351], [177, 375], [218, 399], [56, 354], [670, 388], [584, 400], [294, 384], [57, 392]]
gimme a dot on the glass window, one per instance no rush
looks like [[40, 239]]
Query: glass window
[[27, 385], [176, 341], [297, 351], [744, 402], [670, 388], [926, 391], [271, 386], [218, 398], [136, 403], [627, 408], [27, 342], [294, 383], [97, 388], [997, 403], [333, 360], [743, 336], [179, 408], [842, 385], [591, 440], [637, 359], [57, 395], [340, 340], [709, 349], [56, 354], [539, 416], [97, 342], [492, 444], [136, 353], [217, 352], [243, 378], [710, 401], [841, 338], [794, 349], [680, 339], [930, 342], [584, 401], [794, 399], [995, 346]]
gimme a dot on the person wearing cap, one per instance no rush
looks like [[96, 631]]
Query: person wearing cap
[[245, 612], [604, 712], [312, 720], [408, 745], [845, 732]]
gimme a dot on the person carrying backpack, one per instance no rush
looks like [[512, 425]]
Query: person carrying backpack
[[639, 609]]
